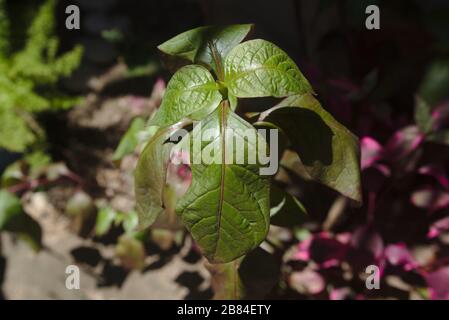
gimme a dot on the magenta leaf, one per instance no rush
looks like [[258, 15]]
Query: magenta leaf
[[438, 282], [399, 255], [371, 151], [438, 227], [436, 171], [403, 143], [440, 116]]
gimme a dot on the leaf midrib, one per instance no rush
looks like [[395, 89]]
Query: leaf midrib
[[223, 172]]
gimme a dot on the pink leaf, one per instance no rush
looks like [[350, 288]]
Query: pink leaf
[[430, 199], [307, 282], [438, 283], [437, 227], [399, 255], [440, 116], [403, 142], [371, 151], [436, 171]]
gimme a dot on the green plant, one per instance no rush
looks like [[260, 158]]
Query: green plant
[[227, 206], [14, 219], [28, 78]]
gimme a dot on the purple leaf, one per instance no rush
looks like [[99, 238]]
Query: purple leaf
[[430, 199], [440, 116], [322, 249], [365, 238], [436, 171], [307, 282], [437, 227], [399, 255], [371, 151], [438, 283], [340, 293], [403, 142], [366, 248]]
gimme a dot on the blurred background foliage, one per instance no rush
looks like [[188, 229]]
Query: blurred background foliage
[[73, 109]]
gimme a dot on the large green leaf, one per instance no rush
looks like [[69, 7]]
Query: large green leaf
[[150, 176], [191, 93], [327, 149], [258, 68], [226, 207], [206, 44]]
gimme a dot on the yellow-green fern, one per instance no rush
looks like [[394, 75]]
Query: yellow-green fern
[[37, 65]]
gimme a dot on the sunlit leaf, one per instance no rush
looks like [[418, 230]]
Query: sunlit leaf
[[258, 68], [130, 140], [131, 252], [150, 176], [226, 207], [14, 219], [191, 93], [199, 45], [105, 218]]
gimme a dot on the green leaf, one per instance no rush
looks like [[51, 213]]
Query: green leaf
[[131, 252], [423, 116], [232, 102], [258, 68], [105, 218], [191, 93], [130, 221], [433, 88], [327, 149], [226, 208], [10, 207], [440, 137], [14, 132], [12, 174], [4, 30], [130, 140], [14, 219], [150, 176], [286, 210], [80, 205], [199, 45]]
